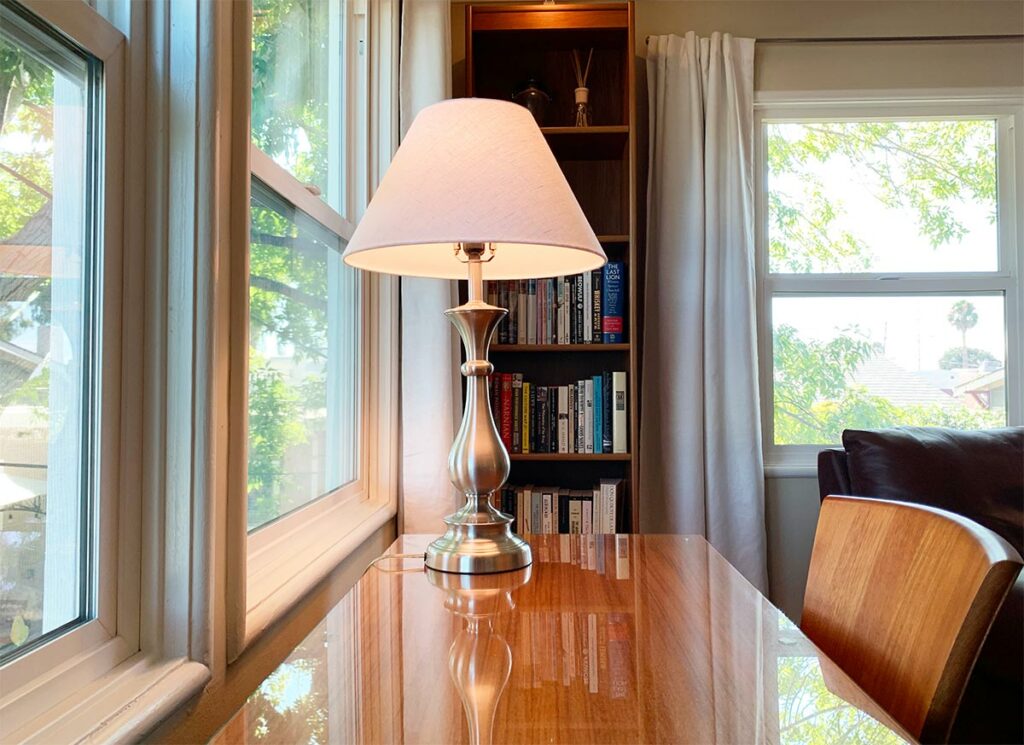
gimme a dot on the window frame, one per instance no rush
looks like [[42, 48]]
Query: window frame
[[1007, 109], [266, 574], [92, 648]]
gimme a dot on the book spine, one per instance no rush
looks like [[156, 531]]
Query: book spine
[[619, 420], [531, 311], [547, 513], [575, 513], [494, 398], [610, 503], [521, 299], [581, 417], [614, 303], [587, 513], [536, 511], [559, 300], [543, 411], [563, 419], [506, 410], [570, 418], [598, 415], [563, 510], [588, 303], [525, 442], [517, 412], [553, 418], [578, 308], [606, 412], [588, 415], [596, 304]]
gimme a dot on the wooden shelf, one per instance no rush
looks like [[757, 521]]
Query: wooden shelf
[[560, 347], [588, 143], [623, 238], [566, 457]]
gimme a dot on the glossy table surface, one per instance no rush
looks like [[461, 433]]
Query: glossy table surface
[[604, 639]]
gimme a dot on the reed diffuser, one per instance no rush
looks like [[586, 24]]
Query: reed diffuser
[[582, 91]]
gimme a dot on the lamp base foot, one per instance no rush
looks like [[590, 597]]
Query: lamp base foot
[[479, 546]]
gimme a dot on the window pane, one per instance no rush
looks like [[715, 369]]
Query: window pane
[[47, 251], [863, 362], [297, 89], [304, 341], [882, 196]]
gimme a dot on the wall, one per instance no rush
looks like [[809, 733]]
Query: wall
[[792, 500]]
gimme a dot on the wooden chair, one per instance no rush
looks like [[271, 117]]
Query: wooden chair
[[901, 596]]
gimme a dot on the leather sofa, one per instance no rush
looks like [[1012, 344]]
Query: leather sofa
[[977, 474]]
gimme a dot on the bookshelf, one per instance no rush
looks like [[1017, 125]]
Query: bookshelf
[[507, 44]]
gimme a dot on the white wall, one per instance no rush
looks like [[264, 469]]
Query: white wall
[[792, 502]]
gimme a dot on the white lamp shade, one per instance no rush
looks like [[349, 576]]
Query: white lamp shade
[[474, 170]]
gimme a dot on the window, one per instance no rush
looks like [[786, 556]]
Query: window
[[304, 329], [888, 252], [50, 148], [317, 447]]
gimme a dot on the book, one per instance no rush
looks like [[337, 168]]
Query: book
[[537, 510], [596, 304], [619, 421], [526, 441], [598, 414], [522, 300], [570, 417], [610, 498], [505, 410], [614, 302], [588, 302], [546, 511], [563, 419], [531, 311], [541, 414], [578, 309], [575, 512], [563, 511], [517, 412], [588, 415], [606, 412], [581, 414], [563, 337]]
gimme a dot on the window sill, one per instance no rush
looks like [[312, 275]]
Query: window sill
[[790, 470], [278, 580], [121, 706]]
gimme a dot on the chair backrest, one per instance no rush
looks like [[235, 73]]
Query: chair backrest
[[901, 596]]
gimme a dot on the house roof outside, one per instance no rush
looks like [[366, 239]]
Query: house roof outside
[[884, 378]]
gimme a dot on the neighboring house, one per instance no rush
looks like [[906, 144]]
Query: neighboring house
[[885, 379], [986, 390]]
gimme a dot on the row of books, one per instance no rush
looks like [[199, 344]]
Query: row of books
[[597, 553], [582, 309], [591, 650], [588, 416], [550, 509]]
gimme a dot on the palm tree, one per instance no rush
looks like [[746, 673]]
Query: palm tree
[[964, 317]]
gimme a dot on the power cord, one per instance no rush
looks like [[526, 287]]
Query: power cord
[[401, 570]]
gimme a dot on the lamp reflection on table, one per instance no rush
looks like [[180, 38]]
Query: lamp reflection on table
[[479, 660]]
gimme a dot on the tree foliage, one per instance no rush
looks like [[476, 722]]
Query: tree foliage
[[924, 167], [954, 358]]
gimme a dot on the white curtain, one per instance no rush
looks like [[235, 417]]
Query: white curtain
[[701, 467], [431, 397]]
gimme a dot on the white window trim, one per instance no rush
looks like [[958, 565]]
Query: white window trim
[[270, 568], [1003, 105]]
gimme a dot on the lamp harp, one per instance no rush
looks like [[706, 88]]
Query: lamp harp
[[479, 538]]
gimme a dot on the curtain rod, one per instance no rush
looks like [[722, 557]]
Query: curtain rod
[[849, 39]]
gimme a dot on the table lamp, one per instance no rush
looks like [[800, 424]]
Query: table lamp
[[474, 191]]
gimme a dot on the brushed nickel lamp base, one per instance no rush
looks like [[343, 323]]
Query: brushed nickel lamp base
[[479, 538]]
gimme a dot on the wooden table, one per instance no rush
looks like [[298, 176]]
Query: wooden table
[[604, 639]]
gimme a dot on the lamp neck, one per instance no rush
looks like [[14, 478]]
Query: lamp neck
[[474, 253]]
